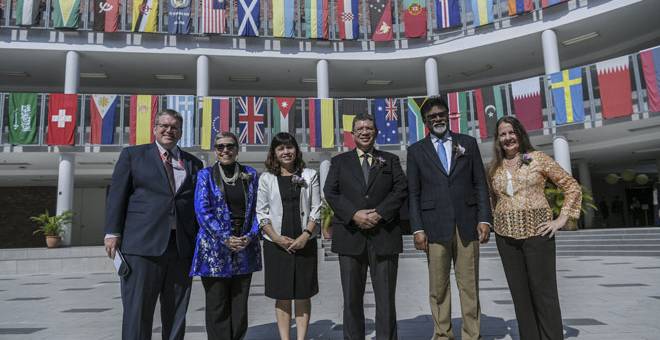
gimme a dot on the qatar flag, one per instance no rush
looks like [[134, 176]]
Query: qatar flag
[[615, 90], [527, 103]]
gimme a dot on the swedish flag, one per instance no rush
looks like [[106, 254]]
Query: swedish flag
[[567, 96]]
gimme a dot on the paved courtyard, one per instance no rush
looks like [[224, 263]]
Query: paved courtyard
[[601, 298]]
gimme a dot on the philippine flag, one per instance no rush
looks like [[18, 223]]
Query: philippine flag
[[103, 109]]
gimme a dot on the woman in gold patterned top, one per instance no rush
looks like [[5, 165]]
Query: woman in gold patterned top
[[525, 229]]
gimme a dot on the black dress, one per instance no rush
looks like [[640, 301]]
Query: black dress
[[290, 276]]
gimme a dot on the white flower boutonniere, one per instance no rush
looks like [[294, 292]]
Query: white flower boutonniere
[[245, 176], [379, 161], [298, 181], [459, 150]]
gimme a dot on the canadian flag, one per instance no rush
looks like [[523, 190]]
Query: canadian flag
[[615, 90], [62, 112]]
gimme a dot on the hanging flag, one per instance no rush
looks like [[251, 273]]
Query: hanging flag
[[251, 117], [517, 7], [316, 19], [380, 17], [489, 109], [22, 118], [248, 18], [145, 16], [414, 18], [350, 108], [185, 105], [26, 12], [106, 15], [458, 111], [416, 128], [215, 119], [282, 120], [283, 18], [321, 123], [103, 110], [482, 12], [347, 19], [214, 16], [548, 3], [178, 15], [448, 13], [62, 112], [651, 69], [567, 96], [143, 109], [347, 130], [527, 103], [66, 13], [614, 87], [387, 121]]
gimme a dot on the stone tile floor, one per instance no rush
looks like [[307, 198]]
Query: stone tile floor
[[601, 298]]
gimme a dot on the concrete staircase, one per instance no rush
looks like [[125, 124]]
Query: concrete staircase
[[593, 242]]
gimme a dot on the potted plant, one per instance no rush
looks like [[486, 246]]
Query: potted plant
[[326, 220], [555, 198], [52, 226]]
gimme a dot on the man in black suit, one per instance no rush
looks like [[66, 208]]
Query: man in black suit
[[366, 187], [450, 214], [150, 219]]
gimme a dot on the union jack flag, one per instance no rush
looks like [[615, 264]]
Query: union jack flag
[[390, 108], [251, 120]]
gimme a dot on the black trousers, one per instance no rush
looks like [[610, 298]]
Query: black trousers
[[383, 271], [226, 306], [152, 278], [530, 269]]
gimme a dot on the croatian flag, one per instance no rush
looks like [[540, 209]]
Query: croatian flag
[[103, 109], [347, 19]]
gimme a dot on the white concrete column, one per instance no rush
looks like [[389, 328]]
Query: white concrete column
[[585, 181], [322, 79], [324, 168], [65, 190], [550, 52], [431, 70], [562, 153], [202, 76], [72, 72]]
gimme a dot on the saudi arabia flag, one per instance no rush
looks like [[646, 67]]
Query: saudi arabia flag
[[22, 118], [66, 13]]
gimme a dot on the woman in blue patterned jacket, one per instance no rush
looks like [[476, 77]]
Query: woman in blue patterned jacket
[[227, 250]]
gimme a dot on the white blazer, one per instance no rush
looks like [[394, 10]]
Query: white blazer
[[269, 202]]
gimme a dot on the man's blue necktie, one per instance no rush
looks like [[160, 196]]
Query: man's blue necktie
[[442, 154]]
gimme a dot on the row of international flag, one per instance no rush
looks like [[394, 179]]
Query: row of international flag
[[213, 18], [325, 120]]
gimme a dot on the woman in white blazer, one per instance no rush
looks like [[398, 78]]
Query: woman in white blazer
[[288, 209]]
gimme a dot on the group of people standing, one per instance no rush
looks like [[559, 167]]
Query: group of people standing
[[172, 219]]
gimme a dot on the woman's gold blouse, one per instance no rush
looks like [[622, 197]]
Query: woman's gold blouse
[[518, 215]]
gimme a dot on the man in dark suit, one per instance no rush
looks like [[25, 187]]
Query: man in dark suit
[[366, 187], [150, 219], [449, 215]]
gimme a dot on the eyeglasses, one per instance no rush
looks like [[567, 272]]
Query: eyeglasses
[[222, 147], [166, 127], [436, 115]]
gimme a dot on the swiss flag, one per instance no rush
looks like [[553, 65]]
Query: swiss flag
[[615, 89], [62, 112]]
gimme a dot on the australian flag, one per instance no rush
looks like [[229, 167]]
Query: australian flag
[[387, 121], [251, 120]]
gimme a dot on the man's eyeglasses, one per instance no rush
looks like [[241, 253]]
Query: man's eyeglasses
[[166, 127], [222, 147]]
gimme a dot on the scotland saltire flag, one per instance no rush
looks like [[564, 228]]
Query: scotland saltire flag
[[251, 119], [387, 121], [248, 18]]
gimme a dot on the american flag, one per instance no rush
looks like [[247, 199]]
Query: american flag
[[214, 16], [251, 120]]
